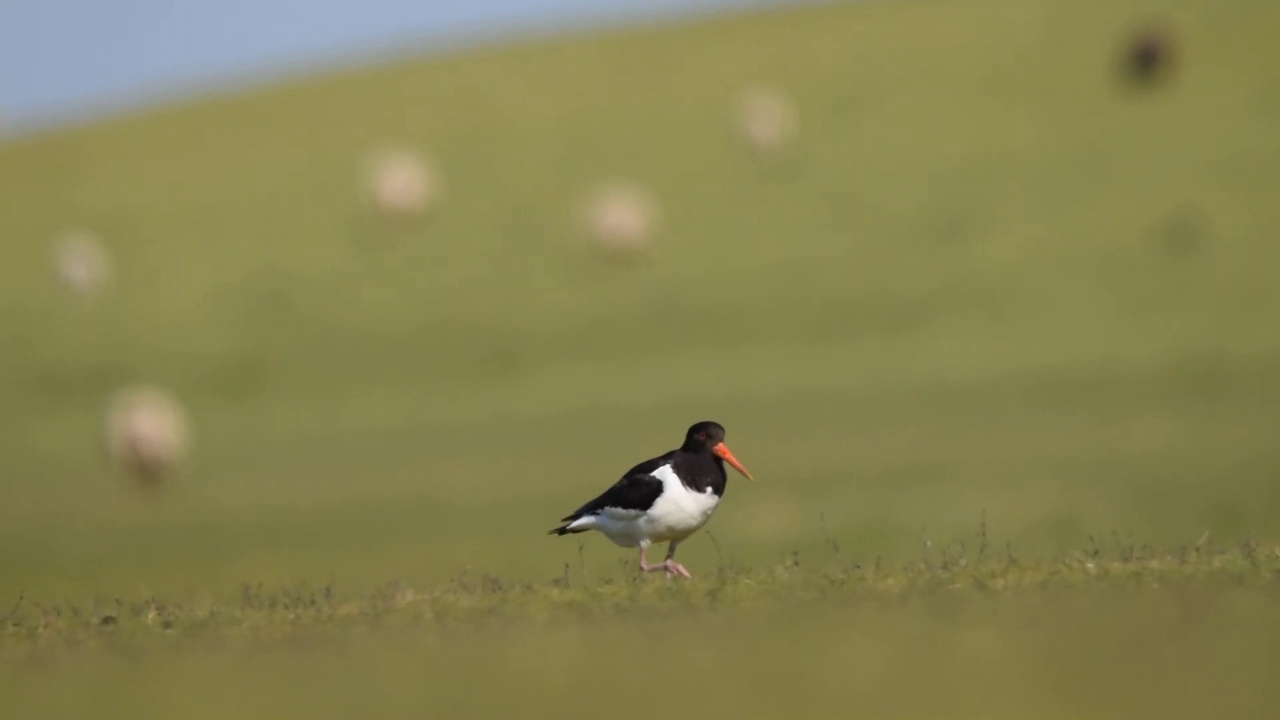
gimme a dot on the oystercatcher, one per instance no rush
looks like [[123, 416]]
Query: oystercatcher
[[663, 499]]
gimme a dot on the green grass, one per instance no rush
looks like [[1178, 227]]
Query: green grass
[[989, 280], [964, 631]]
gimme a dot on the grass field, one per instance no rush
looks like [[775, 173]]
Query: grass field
[[991, 285]]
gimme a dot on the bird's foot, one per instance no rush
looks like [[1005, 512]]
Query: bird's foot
[[674, 568], [670, 567]]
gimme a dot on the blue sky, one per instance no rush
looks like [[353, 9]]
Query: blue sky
[[70, 60]]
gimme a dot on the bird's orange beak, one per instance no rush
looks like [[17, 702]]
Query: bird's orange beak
[[722, 451]]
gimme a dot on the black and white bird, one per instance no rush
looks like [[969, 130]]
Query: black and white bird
[[663, 499]]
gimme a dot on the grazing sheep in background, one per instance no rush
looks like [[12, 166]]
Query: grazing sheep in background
[[403, 183], [1150, 55], [767, 119], [82, 262], [622, 215], [146, 432]]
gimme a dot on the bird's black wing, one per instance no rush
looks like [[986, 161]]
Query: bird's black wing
[[632, 492], [636, 490]]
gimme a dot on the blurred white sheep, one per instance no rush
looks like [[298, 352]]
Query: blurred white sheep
[[81, 262], [403, 183], [622, 215], [147, 432], [767, 118]]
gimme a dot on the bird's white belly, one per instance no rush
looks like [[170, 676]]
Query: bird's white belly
[[678, 513]]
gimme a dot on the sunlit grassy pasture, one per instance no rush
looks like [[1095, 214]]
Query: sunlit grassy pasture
[[966, 631], [989, 280]]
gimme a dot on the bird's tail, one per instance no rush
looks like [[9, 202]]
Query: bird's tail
[[566, 530]]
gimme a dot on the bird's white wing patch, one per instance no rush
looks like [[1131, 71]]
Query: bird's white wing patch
[[669, 479], [615, 513]]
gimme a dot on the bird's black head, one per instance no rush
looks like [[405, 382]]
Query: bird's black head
[[708, 437], [703, 436]]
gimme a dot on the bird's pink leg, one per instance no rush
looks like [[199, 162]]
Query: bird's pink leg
[[673, 567], [646, 566]]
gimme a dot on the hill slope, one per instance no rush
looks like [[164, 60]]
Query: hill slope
[[989, 279]]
